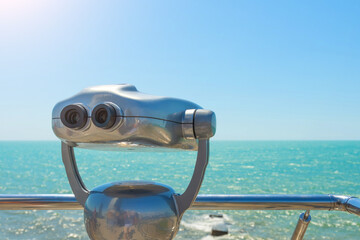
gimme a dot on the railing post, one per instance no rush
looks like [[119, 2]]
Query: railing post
[[301, 226]]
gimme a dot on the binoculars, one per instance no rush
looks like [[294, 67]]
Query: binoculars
[[116, 117]]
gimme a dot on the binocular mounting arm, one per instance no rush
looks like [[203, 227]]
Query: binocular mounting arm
[[77, 185], [183, 201]]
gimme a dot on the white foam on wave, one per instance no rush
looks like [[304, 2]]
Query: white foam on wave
[[204, 222]]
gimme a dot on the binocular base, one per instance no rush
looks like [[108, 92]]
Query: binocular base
[[131, 210]]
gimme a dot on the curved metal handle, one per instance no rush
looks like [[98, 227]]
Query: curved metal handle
[[185, 200], [77, 185]]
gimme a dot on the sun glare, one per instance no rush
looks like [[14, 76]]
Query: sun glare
[[14, 12]]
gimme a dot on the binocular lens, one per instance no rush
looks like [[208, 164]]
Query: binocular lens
[[101, 115], [104, 116], [74, 116]]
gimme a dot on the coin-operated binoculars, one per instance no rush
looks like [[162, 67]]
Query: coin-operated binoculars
[[118, 116]]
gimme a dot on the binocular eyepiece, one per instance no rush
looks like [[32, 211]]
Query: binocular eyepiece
[[104, 116], [75, 116]]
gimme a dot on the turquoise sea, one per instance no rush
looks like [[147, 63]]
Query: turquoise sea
[[235, 167]]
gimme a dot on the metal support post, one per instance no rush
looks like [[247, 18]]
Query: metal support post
[[301, 226]]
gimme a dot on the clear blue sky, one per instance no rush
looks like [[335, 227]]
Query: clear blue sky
[[269, 69]]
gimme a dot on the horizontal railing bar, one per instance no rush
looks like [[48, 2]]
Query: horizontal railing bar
[[202, 202], [264, 202], [39, 202]]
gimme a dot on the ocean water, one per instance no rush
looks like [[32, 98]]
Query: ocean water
[[235, 167]]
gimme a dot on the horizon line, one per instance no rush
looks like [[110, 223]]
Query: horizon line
[[216, 140]]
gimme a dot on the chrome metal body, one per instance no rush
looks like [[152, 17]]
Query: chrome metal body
[[202, 202], [141, 120]]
